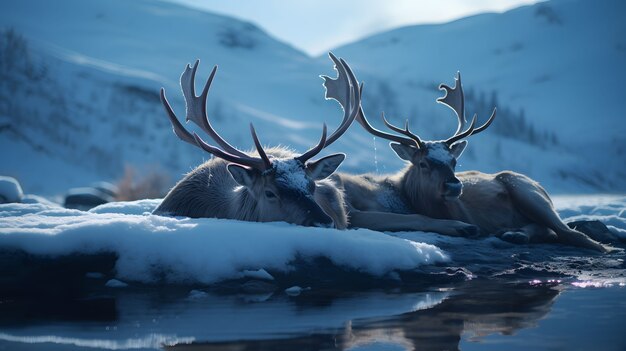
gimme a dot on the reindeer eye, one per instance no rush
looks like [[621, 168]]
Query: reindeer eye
[[423, 164], [269, 194]]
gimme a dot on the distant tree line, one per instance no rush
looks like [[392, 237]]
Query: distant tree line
[[16, 60], [509, 123]]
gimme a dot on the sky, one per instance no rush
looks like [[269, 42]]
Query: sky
[[315, 26]]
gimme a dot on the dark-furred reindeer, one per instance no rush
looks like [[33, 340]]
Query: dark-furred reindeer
[[272, 184], [507, 204]]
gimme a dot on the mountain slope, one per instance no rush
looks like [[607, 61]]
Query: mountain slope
[[106, 60], [555, 67], [90, 106]]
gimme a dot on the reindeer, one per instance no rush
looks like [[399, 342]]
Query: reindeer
[[508, 204], [377, 202], [267, 185]]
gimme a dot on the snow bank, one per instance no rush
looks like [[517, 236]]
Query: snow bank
[[152, 341], [154, 249], [130, 208]]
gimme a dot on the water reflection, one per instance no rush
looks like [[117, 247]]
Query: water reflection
[[436, 319], [475, 309]]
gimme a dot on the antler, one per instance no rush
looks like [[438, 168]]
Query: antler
[[455, 99], [344, 90], [334, 89], [196, 112], [404, 131]]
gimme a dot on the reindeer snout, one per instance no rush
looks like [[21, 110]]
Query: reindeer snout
[[452, 188], [319, 218], [324, 225], [323, 221]]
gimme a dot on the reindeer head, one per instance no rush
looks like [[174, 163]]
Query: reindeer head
[[287, 190], [433, 162], [282, 186]]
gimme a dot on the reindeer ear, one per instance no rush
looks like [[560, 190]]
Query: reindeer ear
[[242, 175], [457, 148], [324, 167], [403, 151]]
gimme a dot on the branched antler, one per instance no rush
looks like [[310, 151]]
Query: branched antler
[[404, 131], [455, 99], [196, 112], [335, 89], [344, 89]]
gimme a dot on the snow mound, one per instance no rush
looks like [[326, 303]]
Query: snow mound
[[156, 249], [10, 190], [130, 208]]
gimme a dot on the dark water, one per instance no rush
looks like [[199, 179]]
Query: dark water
[[475, 315]]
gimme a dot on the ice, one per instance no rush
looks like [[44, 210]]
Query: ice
[[197, 294], [114, 283], [258, 274], [152, 341], [295, 290]]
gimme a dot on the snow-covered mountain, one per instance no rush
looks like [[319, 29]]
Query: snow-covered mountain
[[553, 69], [95, 106], [79, 93]]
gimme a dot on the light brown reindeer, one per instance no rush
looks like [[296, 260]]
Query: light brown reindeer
[[378, 202], [507, 204], [269, 185]]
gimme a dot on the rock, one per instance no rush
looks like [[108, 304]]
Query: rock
[[595, 230], [10, 190]]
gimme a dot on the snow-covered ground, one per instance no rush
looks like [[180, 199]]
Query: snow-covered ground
[[165, 286], [154, 249]]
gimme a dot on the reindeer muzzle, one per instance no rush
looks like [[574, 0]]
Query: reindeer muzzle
[[315, 216], [452, 189], [322, 220]]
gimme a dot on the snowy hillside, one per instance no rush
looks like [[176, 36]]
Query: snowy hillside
[[103, 63], [84, 102], [553, 70]]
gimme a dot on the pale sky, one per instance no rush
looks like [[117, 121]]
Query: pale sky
[[315, 26]]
